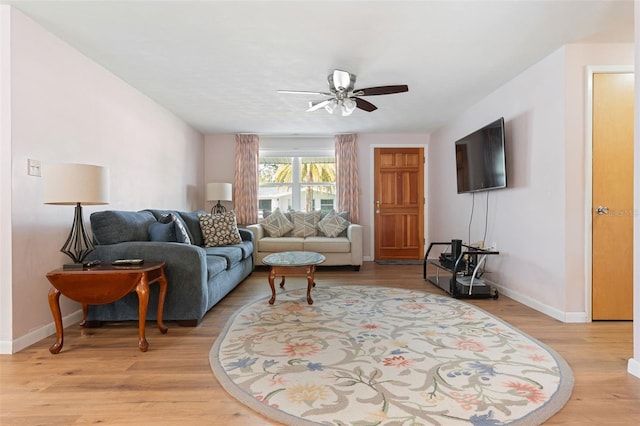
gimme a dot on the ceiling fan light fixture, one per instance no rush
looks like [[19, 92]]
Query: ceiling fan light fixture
[[348, 106], [331, 106]]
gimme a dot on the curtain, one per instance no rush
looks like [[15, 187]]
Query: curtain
[[347, 175], [245, 187]]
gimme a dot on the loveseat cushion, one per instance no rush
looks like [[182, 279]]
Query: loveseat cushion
[[326, 244], [275, 244], [115, 226]]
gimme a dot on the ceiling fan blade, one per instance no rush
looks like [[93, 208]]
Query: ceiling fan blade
[[381, 90], [313, 106], [302, 92], [365, 105], [343, 79]]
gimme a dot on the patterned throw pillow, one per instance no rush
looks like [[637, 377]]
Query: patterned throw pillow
[[276, 224], [333, 224], [219, 229], [304, 223]]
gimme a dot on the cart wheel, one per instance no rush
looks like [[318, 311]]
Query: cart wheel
[[495, 295]]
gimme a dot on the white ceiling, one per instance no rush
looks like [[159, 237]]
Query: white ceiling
[[218, 64]]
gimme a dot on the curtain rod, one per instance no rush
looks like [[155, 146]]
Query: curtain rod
[[295, 135]]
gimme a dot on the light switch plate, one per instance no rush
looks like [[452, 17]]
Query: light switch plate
[[34, 167]]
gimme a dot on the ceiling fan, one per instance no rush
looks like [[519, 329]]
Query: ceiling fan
[[342, 93]]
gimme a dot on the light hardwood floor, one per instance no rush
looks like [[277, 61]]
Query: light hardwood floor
[[101, 377]]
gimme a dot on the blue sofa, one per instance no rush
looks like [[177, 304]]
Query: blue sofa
[[198, 277]]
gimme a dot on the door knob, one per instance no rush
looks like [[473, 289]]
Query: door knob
[[602, 210], [378, 206]]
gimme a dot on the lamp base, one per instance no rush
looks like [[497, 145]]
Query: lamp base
[[218, 209]]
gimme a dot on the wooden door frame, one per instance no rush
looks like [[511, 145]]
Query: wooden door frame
[[372, 195], [588, 196]]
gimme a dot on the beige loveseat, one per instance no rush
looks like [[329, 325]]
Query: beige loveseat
[[344, 249]]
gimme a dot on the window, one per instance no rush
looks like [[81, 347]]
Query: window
[[303, 183]]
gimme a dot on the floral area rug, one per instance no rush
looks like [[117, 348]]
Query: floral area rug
[[364, 355]]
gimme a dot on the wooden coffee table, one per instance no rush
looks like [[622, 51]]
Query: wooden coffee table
[[105, 284], [300, 263]]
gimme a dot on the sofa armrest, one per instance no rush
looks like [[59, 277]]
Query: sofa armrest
[[247, 235], [186, 269], [258, 233], [354, 234]]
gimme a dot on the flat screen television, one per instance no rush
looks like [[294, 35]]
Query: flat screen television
[[480, 159]]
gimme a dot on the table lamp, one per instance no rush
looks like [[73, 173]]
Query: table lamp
[[76, 184], [219, 191]]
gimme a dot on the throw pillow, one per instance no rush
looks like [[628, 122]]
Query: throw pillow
[[180, 229], [219, 229], [276, 224], [304, 223], [333, 224], [165, 232]]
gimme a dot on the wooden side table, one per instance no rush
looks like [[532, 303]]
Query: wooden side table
[[105, 284]]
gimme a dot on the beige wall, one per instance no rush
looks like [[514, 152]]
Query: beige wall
[[66, 108]]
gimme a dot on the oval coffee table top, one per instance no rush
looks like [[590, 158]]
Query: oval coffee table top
[[293, 258]]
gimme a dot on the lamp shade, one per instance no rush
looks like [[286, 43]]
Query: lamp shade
[[70, 184], [219, 191]]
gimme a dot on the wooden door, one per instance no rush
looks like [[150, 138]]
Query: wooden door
[[612, 224], [399, 203]]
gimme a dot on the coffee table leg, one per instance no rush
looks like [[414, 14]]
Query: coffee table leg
[[272, 277], [54, 304], [143, 301], [310, 283]]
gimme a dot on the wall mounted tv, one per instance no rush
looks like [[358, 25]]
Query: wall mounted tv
[[480, 159]]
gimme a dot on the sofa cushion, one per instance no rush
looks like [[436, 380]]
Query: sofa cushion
[[327, 244], [219, 229], [275, 244], [333, 224], [231, 254], [276, 224], [215, 265], [114, 226], [304, 223]]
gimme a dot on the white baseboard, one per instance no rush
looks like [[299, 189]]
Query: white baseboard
[[13, 346], [634, 367], [567, 317]]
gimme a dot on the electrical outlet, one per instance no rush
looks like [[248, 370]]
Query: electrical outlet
[[494, 246], [34, 168]]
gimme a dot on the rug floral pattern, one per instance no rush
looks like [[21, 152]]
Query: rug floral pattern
[[363, 355]]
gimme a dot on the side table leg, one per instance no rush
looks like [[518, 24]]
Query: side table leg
[[85, 310], [162, 282], [272, 277], [54, 304], [143, 301]]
